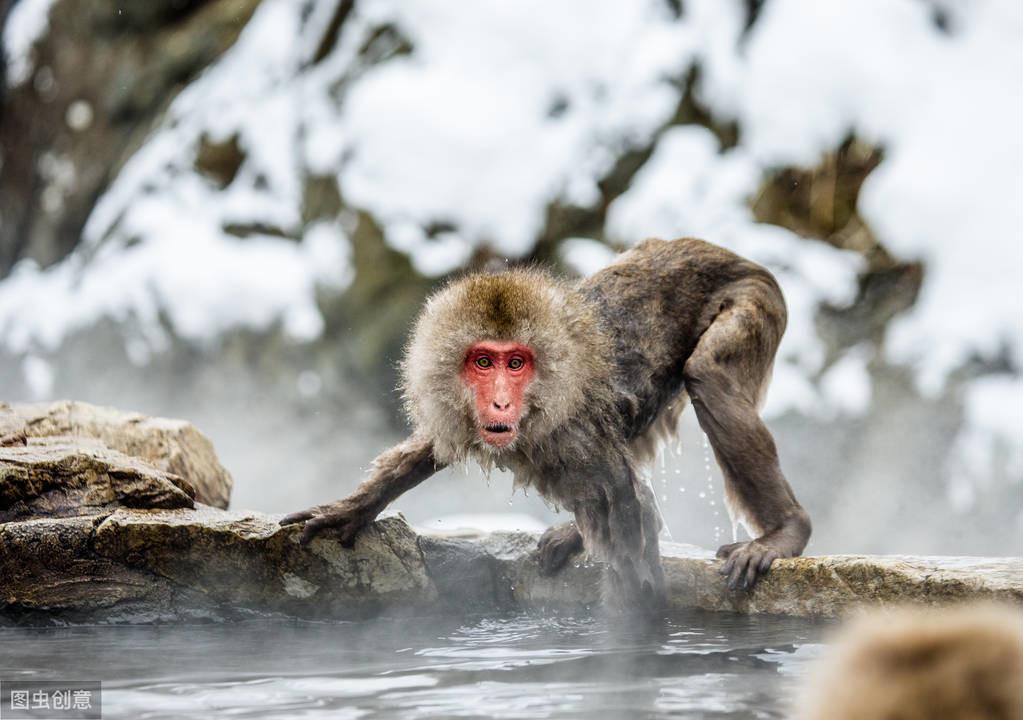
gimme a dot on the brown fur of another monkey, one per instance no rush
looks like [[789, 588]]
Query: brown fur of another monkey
[[616, 356], [961, 663]]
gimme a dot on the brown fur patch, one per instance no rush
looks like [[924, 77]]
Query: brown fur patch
[[526, 306], [616, 355], [963, 663]]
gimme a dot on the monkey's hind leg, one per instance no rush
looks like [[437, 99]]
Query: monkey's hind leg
[[619, 526], [725, 377], [557, 545]]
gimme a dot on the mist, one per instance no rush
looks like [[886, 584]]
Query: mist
[[245, 246]]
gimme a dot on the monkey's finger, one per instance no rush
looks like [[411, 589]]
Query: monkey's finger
[[308, 533], [738, 569], [349, 530], [314, 526], [297, 517], [727, 565], [727, 550], [765, 562], [752, 571], [732, 554]]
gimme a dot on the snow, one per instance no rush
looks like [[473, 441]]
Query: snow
[[205, 282], [690, 187], [502, 108], [27, 22], [949, 189], [960, 208], [816, 71], [585, 256], [993, 426], [846, 384], [155, 243], [39, 377], [460, 131], [948, 192]]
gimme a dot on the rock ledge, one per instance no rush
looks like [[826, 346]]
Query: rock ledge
[[203, 563], [108, 516]]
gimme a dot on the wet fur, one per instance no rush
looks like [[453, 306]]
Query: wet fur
[[963, 663], [573, 359], [616, 357]]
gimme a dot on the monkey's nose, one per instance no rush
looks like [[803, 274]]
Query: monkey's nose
[[502, 406]]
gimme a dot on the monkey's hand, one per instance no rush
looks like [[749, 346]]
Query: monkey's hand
[[557, 545], [348, 518], [746, 562]]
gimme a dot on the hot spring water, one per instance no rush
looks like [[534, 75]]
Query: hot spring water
[[518, 666]]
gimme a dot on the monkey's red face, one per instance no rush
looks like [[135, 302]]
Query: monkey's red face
[[499, 373]]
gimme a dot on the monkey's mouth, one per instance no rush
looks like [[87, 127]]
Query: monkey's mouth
[[498, 434]]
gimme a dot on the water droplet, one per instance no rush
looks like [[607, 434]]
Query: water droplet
[[703, 495]]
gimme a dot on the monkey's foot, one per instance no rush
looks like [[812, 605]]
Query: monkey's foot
[[557, 545], [346, 519], [746, 562], [635, 591]]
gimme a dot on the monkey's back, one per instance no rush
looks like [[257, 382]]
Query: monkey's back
[[655, 301]]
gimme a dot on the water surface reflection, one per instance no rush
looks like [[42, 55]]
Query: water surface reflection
[[520, 666]]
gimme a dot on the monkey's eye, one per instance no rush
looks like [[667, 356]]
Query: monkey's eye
[[516, 363], [484, 362]]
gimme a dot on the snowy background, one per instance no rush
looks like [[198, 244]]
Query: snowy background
[[451, 135]]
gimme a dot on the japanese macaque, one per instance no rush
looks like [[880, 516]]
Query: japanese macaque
[[572, 386], [961, 663]]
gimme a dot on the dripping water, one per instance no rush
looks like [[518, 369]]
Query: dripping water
[[647, 477], [709, 470]]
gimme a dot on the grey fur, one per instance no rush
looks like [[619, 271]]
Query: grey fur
[[616, 357]]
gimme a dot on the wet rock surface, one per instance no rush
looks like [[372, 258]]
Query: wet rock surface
[[102, 519], [174, 447], [203, 563], [826, 586], [831, 585], [135, 566], [59, 477], [247, 561]]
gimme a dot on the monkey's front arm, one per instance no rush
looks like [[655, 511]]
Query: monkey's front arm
[[394, 472]]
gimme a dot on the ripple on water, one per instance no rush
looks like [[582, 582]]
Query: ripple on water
[[517, 666]]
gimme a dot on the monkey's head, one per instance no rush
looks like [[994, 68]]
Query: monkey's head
[[497, 362], [912, 663], [498, 374]]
